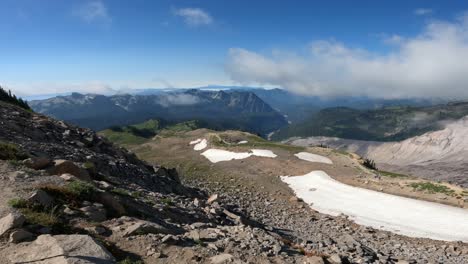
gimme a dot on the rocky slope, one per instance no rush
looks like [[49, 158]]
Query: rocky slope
[[253, 184], [218, 109], [64, 186], [440, 155]]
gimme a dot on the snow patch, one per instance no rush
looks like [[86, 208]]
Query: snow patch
[[313, 157], [217, 155], [243, 142], [201, 145], [393, 213], [263, 153], [195, 141]]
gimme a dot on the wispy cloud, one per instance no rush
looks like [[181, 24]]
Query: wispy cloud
[[94, 11], [432, 63], [194, 16], [423, 11]]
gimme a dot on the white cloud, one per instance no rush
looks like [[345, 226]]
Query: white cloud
[[432, 64], [194, 16], [93, 11], [423, 11]]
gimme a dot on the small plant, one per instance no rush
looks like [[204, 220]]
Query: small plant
[[431, 187], [88, 165], [81, 189], [11, 152], [128, 260], [369, 163], [43, 218], [167, 201], [121, 191], [137, 194], [18, 203]]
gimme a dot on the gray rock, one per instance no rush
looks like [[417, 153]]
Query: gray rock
[[41, 197], [62, 249], [312, 260], [94, 213], [68, 177], [222, 258], [20, 236], [128, 226], [38, 163], [335, 259], [65, 166], [12, 220], [212, 198]]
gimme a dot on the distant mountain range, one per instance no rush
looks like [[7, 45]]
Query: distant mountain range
[[295, 107], [384, 124], [241, 110]]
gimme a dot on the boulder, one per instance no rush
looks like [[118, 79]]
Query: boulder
[[237, 218], [38, 163], [65, 166], [129, 226], [68, 177], [212, 198], [62, 249], [12, 220], [312, 260], [20, 236], [335, 259], [222, 258], [95, 212], [41, 197], [111, 202]]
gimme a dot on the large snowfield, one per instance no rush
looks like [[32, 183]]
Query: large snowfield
[[217, 155], [393, 213], [313, 157]]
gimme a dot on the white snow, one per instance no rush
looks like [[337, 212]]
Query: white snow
[[397, 214], [313, 157], [201, 145], [242, 142], [195, 141], [217, 155], [263, 153]]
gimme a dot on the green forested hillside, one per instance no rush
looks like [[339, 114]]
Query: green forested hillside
[[385, 124]]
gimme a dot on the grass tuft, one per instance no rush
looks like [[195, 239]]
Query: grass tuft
[[432, 187]]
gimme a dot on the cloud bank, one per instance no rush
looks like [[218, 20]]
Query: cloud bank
[[431, 64], [194, 16]]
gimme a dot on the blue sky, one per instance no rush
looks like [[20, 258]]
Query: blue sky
[[310, 47]]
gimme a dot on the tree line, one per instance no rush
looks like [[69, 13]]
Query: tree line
[[7, 96]]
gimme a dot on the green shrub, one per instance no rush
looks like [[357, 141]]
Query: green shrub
[[121, 191], [167, 201], [43, 218], [81, 189], [18, 203], [11, 152], [431, 187], [128, 260], [370, 164]]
